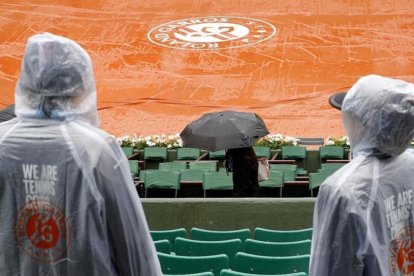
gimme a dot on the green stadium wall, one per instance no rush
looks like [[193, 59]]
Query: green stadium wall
[[228, 213]]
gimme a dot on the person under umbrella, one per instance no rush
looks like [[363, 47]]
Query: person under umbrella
[[244, 165], [234, 132]]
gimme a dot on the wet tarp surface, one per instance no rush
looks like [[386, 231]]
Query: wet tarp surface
[[280, 59]]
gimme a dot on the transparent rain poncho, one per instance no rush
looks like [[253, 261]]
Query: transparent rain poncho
[[363, 217], [68, 205]]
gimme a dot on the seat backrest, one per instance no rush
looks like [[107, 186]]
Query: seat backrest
[[172, 166], [207, 273], [156, 179], [169, 234], [331, 166], [207, 166], [219, 235], [163, 246], [219, 154], [293, 152], [289, 170], [262, 151], [188, 153], [276, 179], [192, 175], [263, 234], [134, 167], [191, 247], [220, 180], [143, 173], [128, 151], [250, 263], [331, 152], [277, 249], [287, 167], [316, 179], [155, 153], [229, 272], [175, 264]]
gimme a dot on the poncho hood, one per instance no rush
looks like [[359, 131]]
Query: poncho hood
[[56, 81], [378, 116]]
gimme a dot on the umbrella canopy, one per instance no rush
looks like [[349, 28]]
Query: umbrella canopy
[[7, 113], [336, 100], [224, 130]]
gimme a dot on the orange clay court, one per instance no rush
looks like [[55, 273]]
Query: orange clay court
[[161, 64]]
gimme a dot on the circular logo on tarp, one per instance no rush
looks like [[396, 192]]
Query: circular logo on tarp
[[402, 253], [42, 230], [211, 33]]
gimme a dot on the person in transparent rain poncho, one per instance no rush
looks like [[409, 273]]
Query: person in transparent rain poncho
[[364, 214], [68, 205]]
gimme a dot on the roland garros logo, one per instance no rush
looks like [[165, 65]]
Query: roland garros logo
[[211, 33], [42, 230]]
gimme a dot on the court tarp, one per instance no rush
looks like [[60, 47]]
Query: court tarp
[[160, 65]]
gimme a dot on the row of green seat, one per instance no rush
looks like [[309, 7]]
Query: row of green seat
[[287, 152], [244, 263], [171, 175], [209, 180], [204, 172], [259, 233], [270, 251], [191, 247]]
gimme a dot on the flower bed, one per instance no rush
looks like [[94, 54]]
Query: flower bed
[[341, 141], [274, 141], [139, 142]]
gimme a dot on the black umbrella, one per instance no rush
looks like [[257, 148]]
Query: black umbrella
[[7, 113], [336, 99], [224, 130]]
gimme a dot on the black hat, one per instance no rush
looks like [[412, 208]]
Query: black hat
[[336, 100]]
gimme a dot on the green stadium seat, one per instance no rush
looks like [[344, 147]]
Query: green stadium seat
[[175, 264], [275, 180], [229, 272], [128, 151], [163, 246], [134, 168], [208, 273], [262, 152], [277, 249], [188, 153], [191, 247], [289, 170], [219, 235], [250, 263], [172, 166], [192, 175], [331, 152], [263, 234], [169, 234], [156, 179], [155, 153], [217, 155], [295, 152], [220, 180], [207, 166]]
